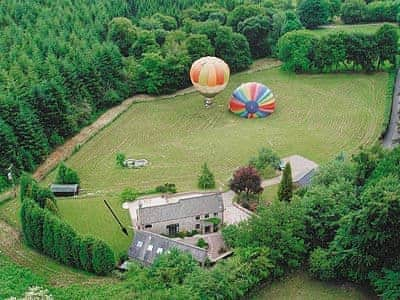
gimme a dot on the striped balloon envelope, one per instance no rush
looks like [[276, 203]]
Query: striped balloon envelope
[[252, 100], [209, 75]]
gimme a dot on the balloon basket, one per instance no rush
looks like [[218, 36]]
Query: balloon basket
[[208, 102]]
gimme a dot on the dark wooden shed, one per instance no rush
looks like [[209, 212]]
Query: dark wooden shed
[[65, 190]]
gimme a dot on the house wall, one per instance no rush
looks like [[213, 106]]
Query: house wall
[[185, 224]]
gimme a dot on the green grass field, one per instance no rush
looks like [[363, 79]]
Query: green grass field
[[301, 287], [354, 28], [90, 216], [317, 116]]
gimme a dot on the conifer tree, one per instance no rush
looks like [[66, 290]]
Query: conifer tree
[[285, 191], [206, 178]]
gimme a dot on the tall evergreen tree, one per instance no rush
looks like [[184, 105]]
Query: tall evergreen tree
[[206, 178], [285, 191]]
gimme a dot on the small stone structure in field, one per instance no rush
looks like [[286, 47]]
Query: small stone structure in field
[[135, 163]]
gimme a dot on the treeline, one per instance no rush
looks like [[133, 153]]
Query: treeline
[[57, 73], [44, 231], [64, 62], [302, 51], [342, 227], [358, 11]]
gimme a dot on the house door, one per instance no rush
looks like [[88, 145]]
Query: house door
[[207, 229], [173, 229]]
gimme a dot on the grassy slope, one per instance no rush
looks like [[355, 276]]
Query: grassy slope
[[301, 287], [90, 216], [317, 116]]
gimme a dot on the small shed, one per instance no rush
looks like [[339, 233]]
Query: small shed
[[65, 190]]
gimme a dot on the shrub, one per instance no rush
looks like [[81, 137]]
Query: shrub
[[172, 268], [382, 11], [353, 11], [166, 188], [129, 194], [103, 259], [320, 266], [86, 245], [313, 13], [202, 243], [206, 178], [120, 158], [265, 160], [387, 285], [66, 175], [296, 50]]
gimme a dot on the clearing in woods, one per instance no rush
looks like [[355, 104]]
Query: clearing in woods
[[317, 116]]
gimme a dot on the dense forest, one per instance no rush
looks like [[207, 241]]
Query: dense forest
[[64, 62]]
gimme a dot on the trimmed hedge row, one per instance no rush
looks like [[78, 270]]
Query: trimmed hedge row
[[302, 51], [50, 235], [357, 11]]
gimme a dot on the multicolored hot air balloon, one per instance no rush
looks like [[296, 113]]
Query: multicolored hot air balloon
[[209, 75], [252, 100]]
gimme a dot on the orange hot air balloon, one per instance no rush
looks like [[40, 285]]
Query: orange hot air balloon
[[209, 76]]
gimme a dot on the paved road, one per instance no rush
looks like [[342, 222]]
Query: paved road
[[392, 136]]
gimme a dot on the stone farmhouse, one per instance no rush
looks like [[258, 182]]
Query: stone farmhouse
[[202, 213]]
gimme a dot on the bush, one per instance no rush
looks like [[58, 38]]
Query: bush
[[103, 259], [353, 11], [119, 159], [280, 227], [66, 175], [129, 194], [320, 266], [387, 285], [172, 268], [382, 11], [313, 13], [85, 252], [202, 243], [296, 50], [265, 160], [166, 188]]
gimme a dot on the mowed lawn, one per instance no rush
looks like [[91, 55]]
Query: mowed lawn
[[317, 116], [300, 286], [354, 28], [91, 217]]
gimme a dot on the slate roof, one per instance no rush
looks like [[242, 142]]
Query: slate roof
[[146, 246], [64, 188], [302, 168], [187, 207]]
